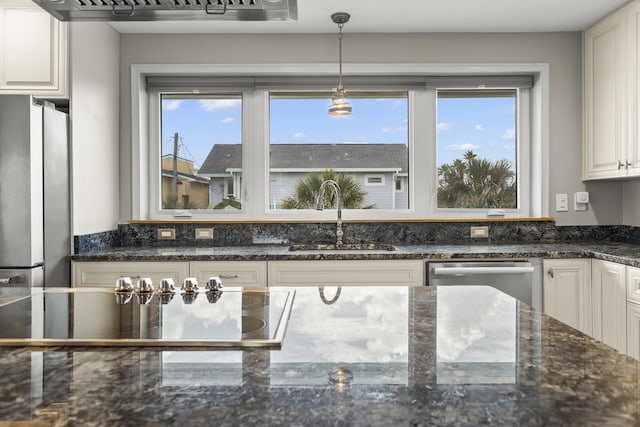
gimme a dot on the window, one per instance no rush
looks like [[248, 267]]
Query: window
[[414, 147], [477, 149], [201, 151], [374, 180], [307, 146]]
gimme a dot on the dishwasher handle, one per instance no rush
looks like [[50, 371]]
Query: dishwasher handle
[[450, 271]]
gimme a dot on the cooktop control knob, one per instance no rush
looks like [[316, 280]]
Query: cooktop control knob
[[190, 285], [145, 285], [214, 284], [166, 286], [124, 284]]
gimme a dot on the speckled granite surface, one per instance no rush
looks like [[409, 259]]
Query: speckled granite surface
[[418, 356], [624, 253]]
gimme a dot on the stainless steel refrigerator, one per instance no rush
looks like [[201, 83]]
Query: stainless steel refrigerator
[[35, 208]]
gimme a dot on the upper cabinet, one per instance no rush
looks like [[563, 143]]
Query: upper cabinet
[[604, 120], [611, 141], [33, 52]]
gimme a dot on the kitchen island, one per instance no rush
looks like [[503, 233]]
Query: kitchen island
[[366, 356]]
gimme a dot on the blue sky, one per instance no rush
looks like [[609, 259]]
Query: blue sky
[[484, 125]]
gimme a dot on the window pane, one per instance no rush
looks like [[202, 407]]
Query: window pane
[[201, 151], [365, 152], [477, 149]]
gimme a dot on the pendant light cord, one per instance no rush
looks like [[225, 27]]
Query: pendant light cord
[[340, 55]]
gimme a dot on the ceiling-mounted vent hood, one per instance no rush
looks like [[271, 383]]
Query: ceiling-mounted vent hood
[[171, 10]]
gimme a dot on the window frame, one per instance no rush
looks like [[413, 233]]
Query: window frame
[[255, 205]]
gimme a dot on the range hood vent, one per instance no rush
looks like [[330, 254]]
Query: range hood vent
[[171, 10]]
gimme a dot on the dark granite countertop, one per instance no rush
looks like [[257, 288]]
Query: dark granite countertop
[[423, 356], [625, 253]]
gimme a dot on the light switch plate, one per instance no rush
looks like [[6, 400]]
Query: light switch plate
[[562, 202]]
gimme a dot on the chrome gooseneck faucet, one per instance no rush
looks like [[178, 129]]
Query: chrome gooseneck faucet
[[320, 205]]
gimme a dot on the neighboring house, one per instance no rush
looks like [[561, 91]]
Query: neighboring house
[[380, 169], [193, 189]]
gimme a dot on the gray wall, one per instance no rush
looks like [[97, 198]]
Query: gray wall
[[561, 50]]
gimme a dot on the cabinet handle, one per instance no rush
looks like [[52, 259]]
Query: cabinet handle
[[228, 276], [627, 164], [550, 272], [620, 165]]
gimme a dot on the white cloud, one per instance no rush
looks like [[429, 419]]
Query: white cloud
[[443, 127], [228, 120], [397, 129], [219, 104], [479, 127], [509, 134], [508, 147], [172, 104], [299, 135], [462, 147]]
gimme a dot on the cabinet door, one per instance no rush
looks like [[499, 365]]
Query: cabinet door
[[633, 92], [106, 273], [33, 48], [357, 272], [605, 109], [633, 330], [633, 284], [567, 292], [232, 273], [609, 299]]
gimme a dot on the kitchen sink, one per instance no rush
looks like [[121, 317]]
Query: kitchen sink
[[342, 247]]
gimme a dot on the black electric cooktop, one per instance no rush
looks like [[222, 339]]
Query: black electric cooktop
[[98, 317]]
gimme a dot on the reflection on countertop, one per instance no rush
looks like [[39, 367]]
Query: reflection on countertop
[[408, 356]]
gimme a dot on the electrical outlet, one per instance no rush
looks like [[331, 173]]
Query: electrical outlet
[[479, 232], [166, 234], [562, 202], [204, 233], [581, 200]]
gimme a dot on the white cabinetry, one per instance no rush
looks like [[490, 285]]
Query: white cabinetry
[[567, 291], [633, 312], [347, 272], [106, 273], [609, 299], [605, 109], [33, 51], [232, 273]]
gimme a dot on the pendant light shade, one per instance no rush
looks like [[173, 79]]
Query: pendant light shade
[[339, 104]]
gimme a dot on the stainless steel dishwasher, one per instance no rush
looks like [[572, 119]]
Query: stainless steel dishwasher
[[522, 279]]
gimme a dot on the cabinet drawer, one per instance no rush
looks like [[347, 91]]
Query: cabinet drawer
[[325, 272], [232, 273], [633, 284], [106, 273]]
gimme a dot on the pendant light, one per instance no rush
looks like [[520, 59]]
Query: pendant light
[[339, 104]]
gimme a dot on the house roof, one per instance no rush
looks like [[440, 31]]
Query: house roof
[[313, 156]]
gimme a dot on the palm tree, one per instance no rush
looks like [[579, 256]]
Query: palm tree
[[476, 183], [307, 189]]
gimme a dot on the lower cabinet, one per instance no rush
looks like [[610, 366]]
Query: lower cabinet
[[250, 274], [609, 299], [347, 272], [633, 312], [567, 292], [633, 330], [106, 273]]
